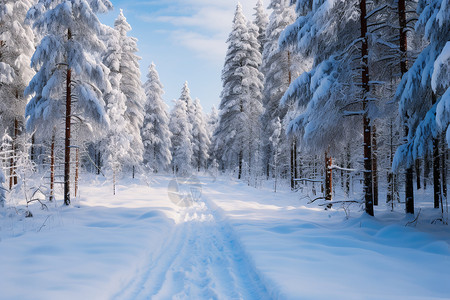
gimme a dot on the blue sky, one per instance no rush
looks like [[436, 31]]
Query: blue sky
[[186, 39]]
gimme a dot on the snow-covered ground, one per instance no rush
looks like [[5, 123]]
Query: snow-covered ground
[[235, 242]]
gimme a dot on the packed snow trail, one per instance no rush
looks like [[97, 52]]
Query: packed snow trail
[[199, 260]]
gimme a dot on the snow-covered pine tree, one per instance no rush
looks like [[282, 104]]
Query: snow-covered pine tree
[[186, 97], [181, 129], [240, 107], [425, 80], [131, 86], [279, 68], [200, 138], [155, 132], [213, 122], [68, 68], [261, 21], [328, 31], [116, 144], [16, 49], [276, 143]]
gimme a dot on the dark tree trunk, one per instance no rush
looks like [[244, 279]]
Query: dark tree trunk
[[409, 189], [390, 175], [240, 164], [436, 171], [375, 165], [99, 161], [15, 147], [77, 169], [349, 166], [426, 170], [328, 177], [32, 147], [368, 197], [292, 167], [296, 171], [417, 166], [52, 169], [436, 166], [444, 169], [67, 136]]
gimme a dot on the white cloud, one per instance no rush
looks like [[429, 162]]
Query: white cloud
[[207, 47], [199, 25]]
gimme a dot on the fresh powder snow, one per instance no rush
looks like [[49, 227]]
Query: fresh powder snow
[[232, 242]]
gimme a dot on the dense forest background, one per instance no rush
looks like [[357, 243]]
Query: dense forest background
[[323, 94]]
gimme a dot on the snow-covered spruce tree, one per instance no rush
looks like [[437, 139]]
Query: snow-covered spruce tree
[[200, 138], [279, 68], [181, 139], [261, 21], [387, 59], [330, 32], [276, 143], [186, 97], [16, 49], [116, 144], [131, 86], [68, 68], [213, 122], [426, 79], [155, 132], [240, 109]]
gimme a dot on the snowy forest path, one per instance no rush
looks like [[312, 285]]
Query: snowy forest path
[[201, 259]]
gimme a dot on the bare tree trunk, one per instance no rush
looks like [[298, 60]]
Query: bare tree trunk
[[77, 169], [366, 121], [67, 131], [426, 170], [99, 161], [328, 177], [436, 166], [390, 174], [292, 167], [349, 165], [417, 166], [409, 189], [375, 165], [52, 168], [295, 163], [33, 142], [444, 168], [240, 158], [15, 147]]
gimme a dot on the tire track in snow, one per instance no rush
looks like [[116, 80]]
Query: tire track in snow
[[201, 260]]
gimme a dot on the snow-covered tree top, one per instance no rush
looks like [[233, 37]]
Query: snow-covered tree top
[[153, 84], [121, 24]]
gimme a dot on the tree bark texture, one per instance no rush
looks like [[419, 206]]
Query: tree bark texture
[[409, 189], [328, 177], [367, 134], [374, 165], [52, 169], [67, 132]]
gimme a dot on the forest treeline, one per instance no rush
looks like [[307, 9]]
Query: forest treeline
[[317, 91]]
